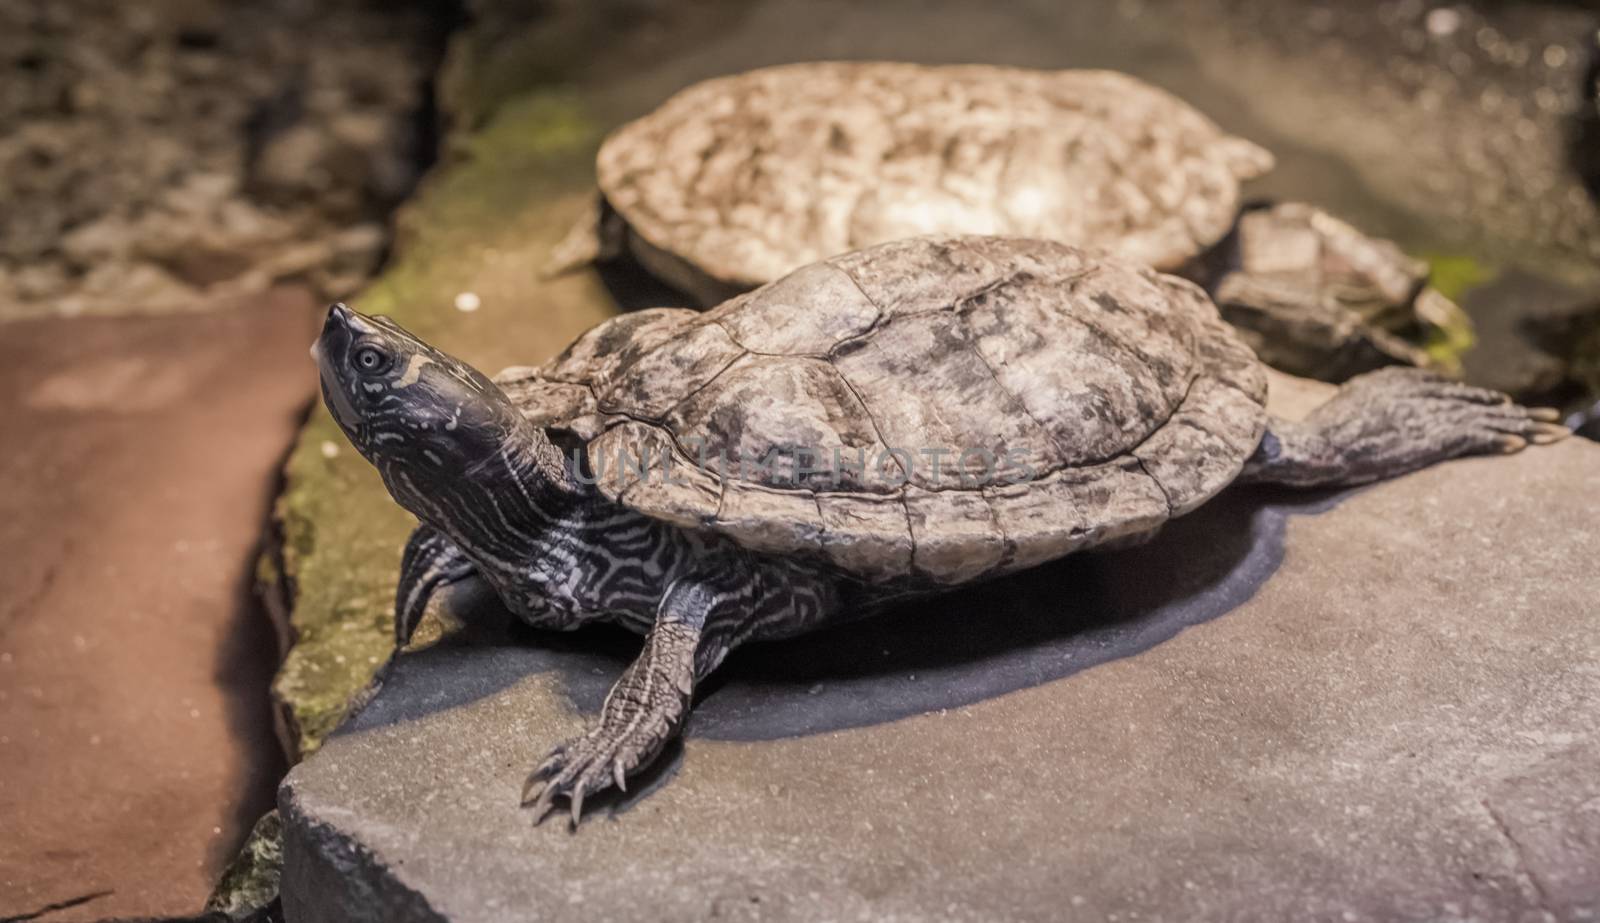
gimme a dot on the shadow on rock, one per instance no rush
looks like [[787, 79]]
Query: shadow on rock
[[633, 288], [941, 652]]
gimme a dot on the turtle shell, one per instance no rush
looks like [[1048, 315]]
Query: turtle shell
[[738, 180], [942, 409]]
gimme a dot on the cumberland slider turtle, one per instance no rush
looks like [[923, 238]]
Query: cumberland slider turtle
[[735, 181], [892, 421]]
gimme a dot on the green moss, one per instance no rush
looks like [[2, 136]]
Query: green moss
[[1446, 345], [499, 60], [534, 148], [1446, 330], [342, 538], [517, 172], [250, 882], [1455, 274]]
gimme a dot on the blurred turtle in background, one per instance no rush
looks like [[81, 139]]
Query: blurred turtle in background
[[735, 181], [1314, 296]]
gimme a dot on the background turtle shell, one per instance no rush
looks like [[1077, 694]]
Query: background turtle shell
[[1120, 390], [739, 180]]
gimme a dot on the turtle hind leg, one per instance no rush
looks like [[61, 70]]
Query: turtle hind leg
[[1393, 421]]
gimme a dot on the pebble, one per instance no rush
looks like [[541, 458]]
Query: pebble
[[468, 301], [1443, 21]]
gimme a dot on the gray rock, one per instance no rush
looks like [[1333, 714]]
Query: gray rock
[[1548, 815], [1372, 705]]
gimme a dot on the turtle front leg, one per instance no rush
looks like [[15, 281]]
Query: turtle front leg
[[1391, 422], [430, 563], [695, 627]]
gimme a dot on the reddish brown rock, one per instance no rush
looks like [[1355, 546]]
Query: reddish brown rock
[[135, 737]]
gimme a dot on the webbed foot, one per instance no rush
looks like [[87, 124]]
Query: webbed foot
[[1444, 416], [1395, 420]]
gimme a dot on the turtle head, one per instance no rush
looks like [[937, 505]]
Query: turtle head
[[422, 417]]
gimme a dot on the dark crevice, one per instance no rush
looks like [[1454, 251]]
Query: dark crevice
[[1523, 872], [67, 904], [1585, 147]]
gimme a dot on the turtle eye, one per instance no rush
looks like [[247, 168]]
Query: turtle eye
[[372, 360]]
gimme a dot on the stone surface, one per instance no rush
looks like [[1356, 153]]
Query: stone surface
[[1373, 705], [1551, 814], [1533, 333], [136, 744]]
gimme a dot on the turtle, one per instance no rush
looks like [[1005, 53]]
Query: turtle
[[882, 424], [1313, 296], [737, 180]]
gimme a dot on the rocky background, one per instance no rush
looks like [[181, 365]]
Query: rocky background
[[159, 157]]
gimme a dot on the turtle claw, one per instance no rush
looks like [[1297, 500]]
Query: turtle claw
[[577, 806], [598, 761], [531, 788], [545, 806], [1523, 426], [1546, 433], [550, 763]]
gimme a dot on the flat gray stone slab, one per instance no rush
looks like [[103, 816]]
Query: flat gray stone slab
[[1369, 706]]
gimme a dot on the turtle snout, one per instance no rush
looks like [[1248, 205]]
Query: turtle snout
[[329, 351], [338, 319], [336, 336]]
